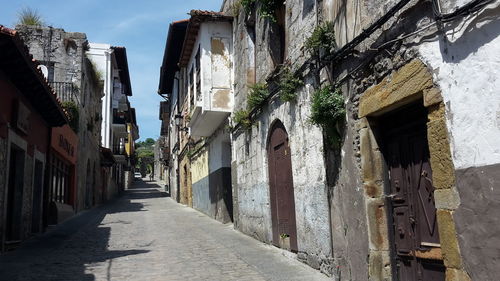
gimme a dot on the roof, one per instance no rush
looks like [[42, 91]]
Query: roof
[[22, 70], [121, 61], [197, 17], [173, 46]]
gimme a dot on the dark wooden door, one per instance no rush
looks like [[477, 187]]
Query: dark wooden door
[[416, 239], [281, 187], [15, 195]]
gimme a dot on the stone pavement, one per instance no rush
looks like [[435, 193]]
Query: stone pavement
[[144, 236]]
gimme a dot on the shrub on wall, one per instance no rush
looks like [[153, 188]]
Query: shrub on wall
[[288, 85], [328, 111], [322, 41], [256, 95], [266, 8], [73, 114]]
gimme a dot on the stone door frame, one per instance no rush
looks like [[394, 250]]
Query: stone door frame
[[411, 83]]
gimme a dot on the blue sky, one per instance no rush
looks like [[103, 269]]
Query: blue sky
[[140, 26]]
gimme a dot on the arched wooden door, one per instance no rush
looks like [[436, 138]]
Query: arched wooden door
[[281, 189]]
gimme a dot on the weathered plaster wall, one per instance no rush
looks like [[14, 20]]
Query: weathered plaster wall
[[466, 69], [477, 221], [220, 175], [185, 192], [309, 180], [199, 177]]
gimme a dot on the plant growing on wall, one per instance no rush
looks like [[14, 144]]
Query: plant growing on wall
[[29, 16], [288, 85], [266, 8], [256, 95], [328, 111], [242, 117], [322, 43], [73, 114]]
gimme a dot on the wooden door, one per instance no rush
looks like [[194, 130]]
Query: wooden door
[[15, 195], [281, 188], [416, 239]]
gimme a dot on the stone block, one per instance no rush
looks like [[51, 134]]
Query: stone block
[[377, 225], [456, 275], [443, 174], [448, 238], [404, 86], [432, 96], [379, 265], [436, 111], [447, 199], [371, 158]]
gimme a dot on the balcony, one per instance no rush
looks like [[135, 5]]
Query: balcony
[[119, 154], [119, 124], [164, 110], [210, 110], [66, 92]]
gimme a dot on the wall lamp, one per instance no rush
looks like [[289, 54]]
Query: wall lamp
[[178, 119]]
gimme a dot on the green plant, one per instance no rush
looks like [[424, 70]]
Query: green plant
[[322, 38], [242, 117], [73, 115], [327, 111], [236, 7], [247, 5], [256, 95], [267, 8], [29, 16], [284, 235], [288, 85]]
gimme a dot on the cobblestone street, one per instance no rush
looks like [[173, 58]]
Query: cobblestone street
[[145, 235]]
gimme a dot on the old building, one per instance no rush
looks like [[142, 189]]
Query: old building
[[401, 185], [280, 181], [203, 69], [28, 111], [79, 87], [118, 125], [170, 110]]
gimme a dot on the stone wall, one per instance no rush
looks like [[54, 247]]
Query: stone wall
[[66, 50], [309, 180], [27, 196]]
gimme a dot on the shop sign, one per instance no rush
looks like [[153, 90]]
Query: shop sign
[[66, 146]]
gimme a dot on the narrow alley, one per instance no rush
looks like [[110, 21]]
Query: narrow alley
[[145, 235]]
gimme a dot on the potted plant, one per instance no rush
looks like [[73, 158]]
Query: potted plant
[[285, 241]]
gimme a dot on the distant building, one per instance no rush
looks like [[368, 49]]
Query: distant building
[[119, 126]]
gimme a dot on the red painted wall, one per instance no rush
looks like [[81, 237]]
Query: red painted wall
[[39, 132]]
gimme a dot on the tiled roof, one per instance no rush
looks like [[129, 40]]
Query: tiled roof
[[206, 13], [197, 17]]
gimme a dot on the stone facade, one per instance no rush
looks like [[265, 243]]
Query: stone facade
[[68, 68], [430, 66], [255, 51]]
